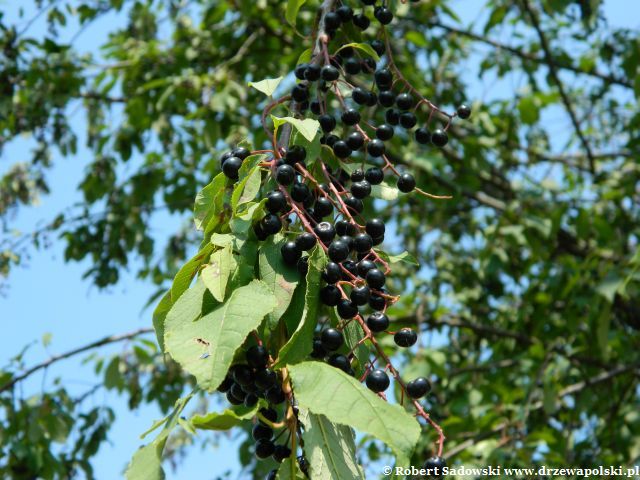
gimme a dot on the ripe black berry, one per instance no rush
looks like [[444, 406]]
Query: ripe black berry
[[378, 322], [435, 466], [341, 149], [329, 73], [408, 120], [339, 361], [374, 175], [383, 78], [323, 206], [270, 414], [285, 174], [418, 388], [266, 379], [351, 267], [300, 92], [318, 350], [327, 122], [329, 140], [384, 132], [251, 400], [404, 101], [345, 12], [295, 154], [354, 205], [332, 273], [375, 227], [280, 453], [306, 241], [350, 116], [257, 356], [276, 201], [377, 380], [264, 448], [352, 66], [360, 96], [331, 339], [364, 266], [386, 98], [405, 337], [375, 147], [231, 166], [290, 253], [361, 21], [378, 45], [312, 73], [316, 107], [299, 192], [423, 135], [464, 111], [275, 395], [361, 189], [344, 227], [240, 152], [438, 137], [325, 232], [362, 243], [376, 278], [338, 251], [377, 302], [299, 70], [383, 14], [332, 20], [261, 432], [355, 141], [226, 384], [360, 295], [233, 400], [347, 309], [368, 65], [242, 374], [392, 116], [373, 99], [271, 224], [357, 175], [406, 182]]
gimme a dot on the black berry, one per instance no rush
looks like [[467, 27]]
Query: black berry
[[325, 232], [344, 227], [374, 175], [231, 166], [438, 137], [377, 380], [418, 388], [378, 322], [362, 243], [408, 120], [332, 273], [295, 154], [347, 309], [464, 111], [406, 182], [271, 224], [355, 141], [405, 337], [327, 122], [361, 21], [338, 251], [361, 189], [290, 253], [299, 192], [257, 356], [341, 149], [285, 174], [384, 15], [312, 73], [423, 135], [264, 448], [383, 78], [404, 101], [339, 361], [375, 147], [350, 116], [360, 295], [329, 73], [306, 241], [331, 339], [276, 201], [375, 278], [384, 132]]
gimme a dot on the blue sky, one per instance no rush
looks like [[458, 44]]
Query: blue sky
[[49, 296]]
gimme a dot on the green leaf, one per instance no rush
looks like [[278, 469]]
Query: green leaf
[[247, 189], [216, 275], [404, 257], [146, 463], [301, 342], [602, 329], [230, 418], [267, 86], [609, 286], [529, 112], [280, 278], [329, 448], [307, 127], [328, 391], [289, 470], [352, 335], [312, 148], [365, 47], [205, 348], [159, 316], [291, 15], [384, 191], [188, 306], [185, 275], [209, 202]]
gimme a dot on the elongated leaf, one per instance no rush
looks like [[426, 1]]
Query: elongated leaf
[[404, 257], [209, 202], [365, 47], [185, 275], [278, 276], [352, 335], [301, 342], [289, 471], [146, 463], [329, 448], [159, 316], [225, 420], [216, 275], [187, 307], [293, 6], [247, 189], [328, 391], [307, 127], [384, 191], [205, 347], [267, 86]]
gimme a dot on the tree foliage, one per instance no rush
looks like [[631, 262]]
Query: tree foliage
[[527, 291]]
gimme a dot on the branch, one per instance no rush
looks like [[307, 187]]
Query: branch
[[554, 74], [570, 390], [76, 351], [609, 78]]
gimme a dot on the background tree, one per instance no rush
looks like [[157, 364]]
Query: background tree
[[529, 275]]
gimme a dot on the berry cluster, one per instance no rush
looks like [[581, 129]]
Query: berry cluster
[[317, 205]]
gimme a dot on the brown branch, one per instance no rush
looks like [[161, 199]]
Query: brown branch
[[75, 351], [556, 78], [609, 78]]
